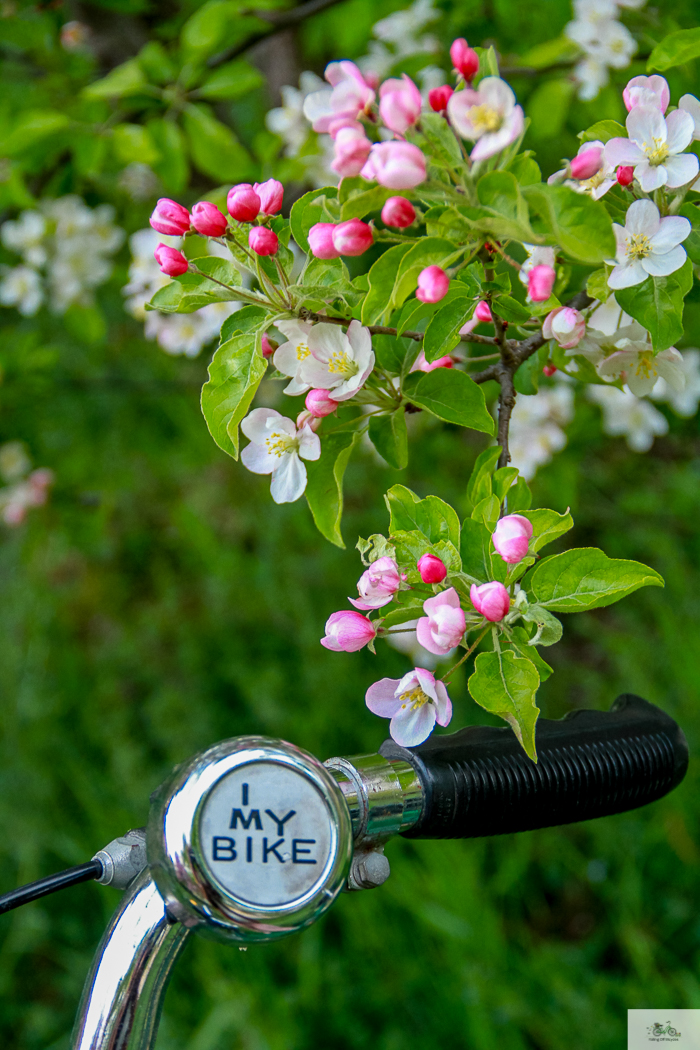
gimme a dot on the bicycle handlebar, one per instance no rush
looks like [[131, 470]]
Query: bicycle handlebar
[[254, 838]]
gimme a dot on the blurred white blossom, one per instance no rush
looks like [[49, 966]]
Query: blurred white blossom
[[400, 34], [175, 333], [536, 427], [625, 415], [684, 402], [605, 42], [67, 250]]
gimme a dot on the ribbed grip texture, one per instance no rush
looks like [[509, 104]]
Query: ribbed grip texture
[[479, 781]]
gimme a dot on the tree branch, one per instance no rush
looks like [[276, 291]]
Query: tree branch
[[278, 20]]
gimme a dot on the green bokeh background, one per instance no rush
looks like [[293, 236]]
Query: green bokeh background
[[161, 602]]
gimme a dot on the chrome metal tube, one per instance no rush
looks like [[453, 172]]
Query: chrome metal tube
[[122, 999]]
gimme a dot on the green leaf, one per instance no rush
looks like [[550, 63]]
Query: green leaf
[[548, 106], [561, 49], [231, 80], [691, 212], [413, 312], [382, 277], [521, 647], [585, 578], [450, 395], [171, 166], [441, 141], [411, 546], [133, 144], [324, 488], [527, 378], [124, 80], [525, 168], [675, 50], [500, 195], [34, 126], [300, 222], [503, 479], [218, 24], [597, 285], [222, 270], [549, 628], [658, 303], [360, 204], [487, 510], [234, 376], [248, 319], [429, 251], [603, 131], [433, 517], [479, 484], [519, 497], [401, 613], [547, 525], [156, 63], [578, 224], [442, 333], [510, 309], [506, 685], [476, 550], [389, 436], [215, 149]]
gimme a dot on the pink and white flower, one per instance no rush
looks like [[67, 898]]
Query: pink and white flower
[[647, 91], [433, 284], [536, 256], [512, 536], [170, 218], [634, 362], [339, 362], [444, 625], [352, 148], [540, 282], [601, 178], [290, 356], [565, 325], [276, 446], [414, 704], [689, 104], [319, 404], [271, 194], [348, 631], [488, 115], [398, 212], [647, 244], [491, 600], [378, 585], [655, 148], [400, 104], [421, 365], [348, 96], [396, 165]]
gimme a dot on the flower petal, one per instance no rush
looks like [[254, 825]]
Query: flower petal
[[410, 727], [258, 460], [491, 144], [650, 177], [622, 151], [680, 126], [325, 340], [644, 124], [309, 444], [663, 265], [681, 169], [426, 680], [444, 705], [381, 697], [289, 480], [256, 424], [497, 93], [627, 276], [427, 639], [672, 230], [642, 218]]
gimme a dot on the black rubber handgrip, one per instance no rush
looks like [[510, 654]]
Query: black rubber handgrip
[[479, 781]]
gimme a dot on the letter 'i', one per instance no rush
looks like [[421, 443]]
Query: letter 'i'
[[249, 849], [244, 795]]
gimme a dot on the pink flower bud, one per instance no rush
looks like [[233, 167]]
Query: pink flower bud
[[396, 165], [586, 164], [208, 220], [540, 282], [565, 325], [444, 625], [439, 97], [421, 365], [170, 260], [243, 202], [625, 175], [398, 212], [400, 104], [353, 237], [170, 218], [320, 403], [321, 241], [433, 284], [348, 631], [263, 241], [491, 600], [431, 568], [651, 92], [483, 312], [511, 537], [352, 148], [268, 345], [549, 370], [378, 585], [464, 59], [270, 194], [307, 419]]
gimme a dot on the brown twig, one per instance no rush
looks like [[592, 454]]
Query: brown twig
[[378, 329]]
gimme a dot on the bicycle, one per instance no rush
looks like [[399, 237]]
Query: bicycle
[[253, 839]]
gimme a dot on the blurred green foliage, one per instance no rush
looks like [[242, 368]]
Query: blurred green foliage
[[161, 602]]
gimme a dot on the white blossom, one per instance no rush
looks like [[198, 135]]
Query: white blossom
[[21, 287], [25, 236], [684, 401], [339, 361], [647, 244], [536, 427], [276, 445], [488, 115], [290, 356], [604, 41], [625, 415], [634, 362], [288, 120], [655, 148]]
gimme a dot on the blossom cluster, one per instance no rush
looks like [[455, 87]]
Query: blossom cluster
[[66, 249], [605, 42], [24, 488]]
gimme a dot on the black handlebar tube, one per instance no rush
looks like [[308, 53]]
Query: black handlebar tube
[[479, 781]]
